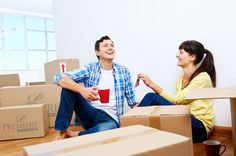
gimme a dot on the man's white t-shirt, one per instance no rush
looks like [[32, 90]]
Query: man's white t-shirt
[[107, 82]]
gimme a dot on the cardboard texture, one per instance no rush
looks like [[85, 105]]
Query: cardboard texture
[[133, 140], [27, 121], [9, 80], [175, 119], [219, 93], [35, 83], [27, 95], [47, 94], [60, 65]]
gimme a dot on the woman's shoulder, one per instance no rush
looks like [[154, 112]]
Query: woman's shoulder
[[203, 75], [203, 79]]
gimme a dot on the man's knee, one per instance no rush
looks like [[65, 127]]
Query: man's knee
[[106, 126]]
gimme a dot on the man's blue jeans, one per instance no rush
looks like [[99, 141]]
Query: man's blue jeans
[[93, 120], [198, 129]]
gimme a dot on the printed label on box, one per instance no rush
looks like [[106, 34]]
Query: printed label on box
[[62, 67], [21, 124]]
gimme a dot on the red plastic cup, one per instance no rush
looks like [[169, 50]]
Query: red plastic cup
[[104, 95]]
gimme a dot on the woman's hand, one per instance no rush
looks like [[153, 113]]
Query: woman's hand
[[148, 82], [146, 79]]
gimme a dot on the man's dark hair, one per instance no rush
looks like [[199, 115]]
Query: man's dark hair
[[97, 43]]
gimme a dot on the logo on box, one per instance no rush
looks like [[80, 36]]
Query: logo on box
[[35, 98], [21, 123]]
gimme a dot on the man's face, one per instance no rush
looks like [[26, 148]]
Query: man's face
[[106, 50]]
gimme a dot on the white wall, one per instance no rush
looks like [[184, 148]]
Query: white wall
[[147, 34]]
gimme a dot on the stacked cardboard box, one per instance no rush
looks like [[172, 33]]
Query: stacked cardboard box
[[9, 80], [133, 140], [16, 98], [23, 121], [27, 95], [59, 65], [51, 69]]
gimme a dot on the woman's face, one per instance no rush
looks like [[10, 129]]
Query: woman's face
[[184, 59]]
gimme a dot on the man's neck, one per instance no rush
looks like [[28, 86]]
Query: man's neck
[[106, 65]]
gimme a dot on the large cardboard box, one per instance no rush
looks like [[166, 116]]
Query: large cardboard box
[[35, 83], [175, 119], [133, 140], [61, 65], [27, 95], [9, 80], [23, 121]]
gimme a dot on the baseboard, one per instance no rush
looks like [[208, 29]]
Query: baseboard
[[222, 131]]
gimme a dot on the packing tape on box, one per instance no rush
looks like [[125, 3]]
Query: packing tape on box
[[97, 143]]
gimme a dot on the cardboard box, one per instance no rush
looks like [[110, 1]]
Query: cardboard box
[[46, 94], [23, 121], [219, 93], [61, 65], [27, 95], [35, 83], [36, 94], [9, 80], [133, 140], [175, 119]]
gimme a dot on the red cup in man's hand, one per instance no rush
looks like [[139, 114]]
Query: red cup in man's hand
[[104, 95]]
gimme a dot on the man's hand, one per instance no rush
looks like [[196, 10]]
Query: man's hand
[[90, 93]]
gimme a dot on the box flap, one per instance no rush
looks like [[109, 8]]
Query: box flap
[[211, 93], [174, 110], [158, 110], [143, 111]]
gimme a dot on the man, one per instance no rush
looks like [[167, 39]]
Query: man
[[93, 115]]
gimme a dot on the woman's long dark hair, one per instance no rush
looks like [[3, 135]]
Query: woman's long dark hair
[[207, 63]]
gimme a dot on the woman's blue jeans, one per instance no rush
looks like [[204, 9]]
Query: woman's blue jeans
[[93, 120], [198, 129]]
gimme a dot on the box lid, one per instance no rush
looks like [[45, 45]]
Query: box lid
[[211, 93], [135, 139], [158, 110]]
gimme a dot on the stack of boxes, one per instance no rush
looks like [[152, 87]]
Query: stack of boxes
[[22, 108]]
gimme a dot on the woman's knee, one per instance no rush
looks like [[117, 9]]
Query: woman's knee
[[150, 95]]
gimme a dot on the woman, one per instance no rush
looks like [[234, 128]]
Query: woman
[[198, 72]]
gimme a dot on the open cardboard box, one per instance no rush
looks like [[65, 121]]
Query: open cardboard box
[[133, 140], [218, 93]]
